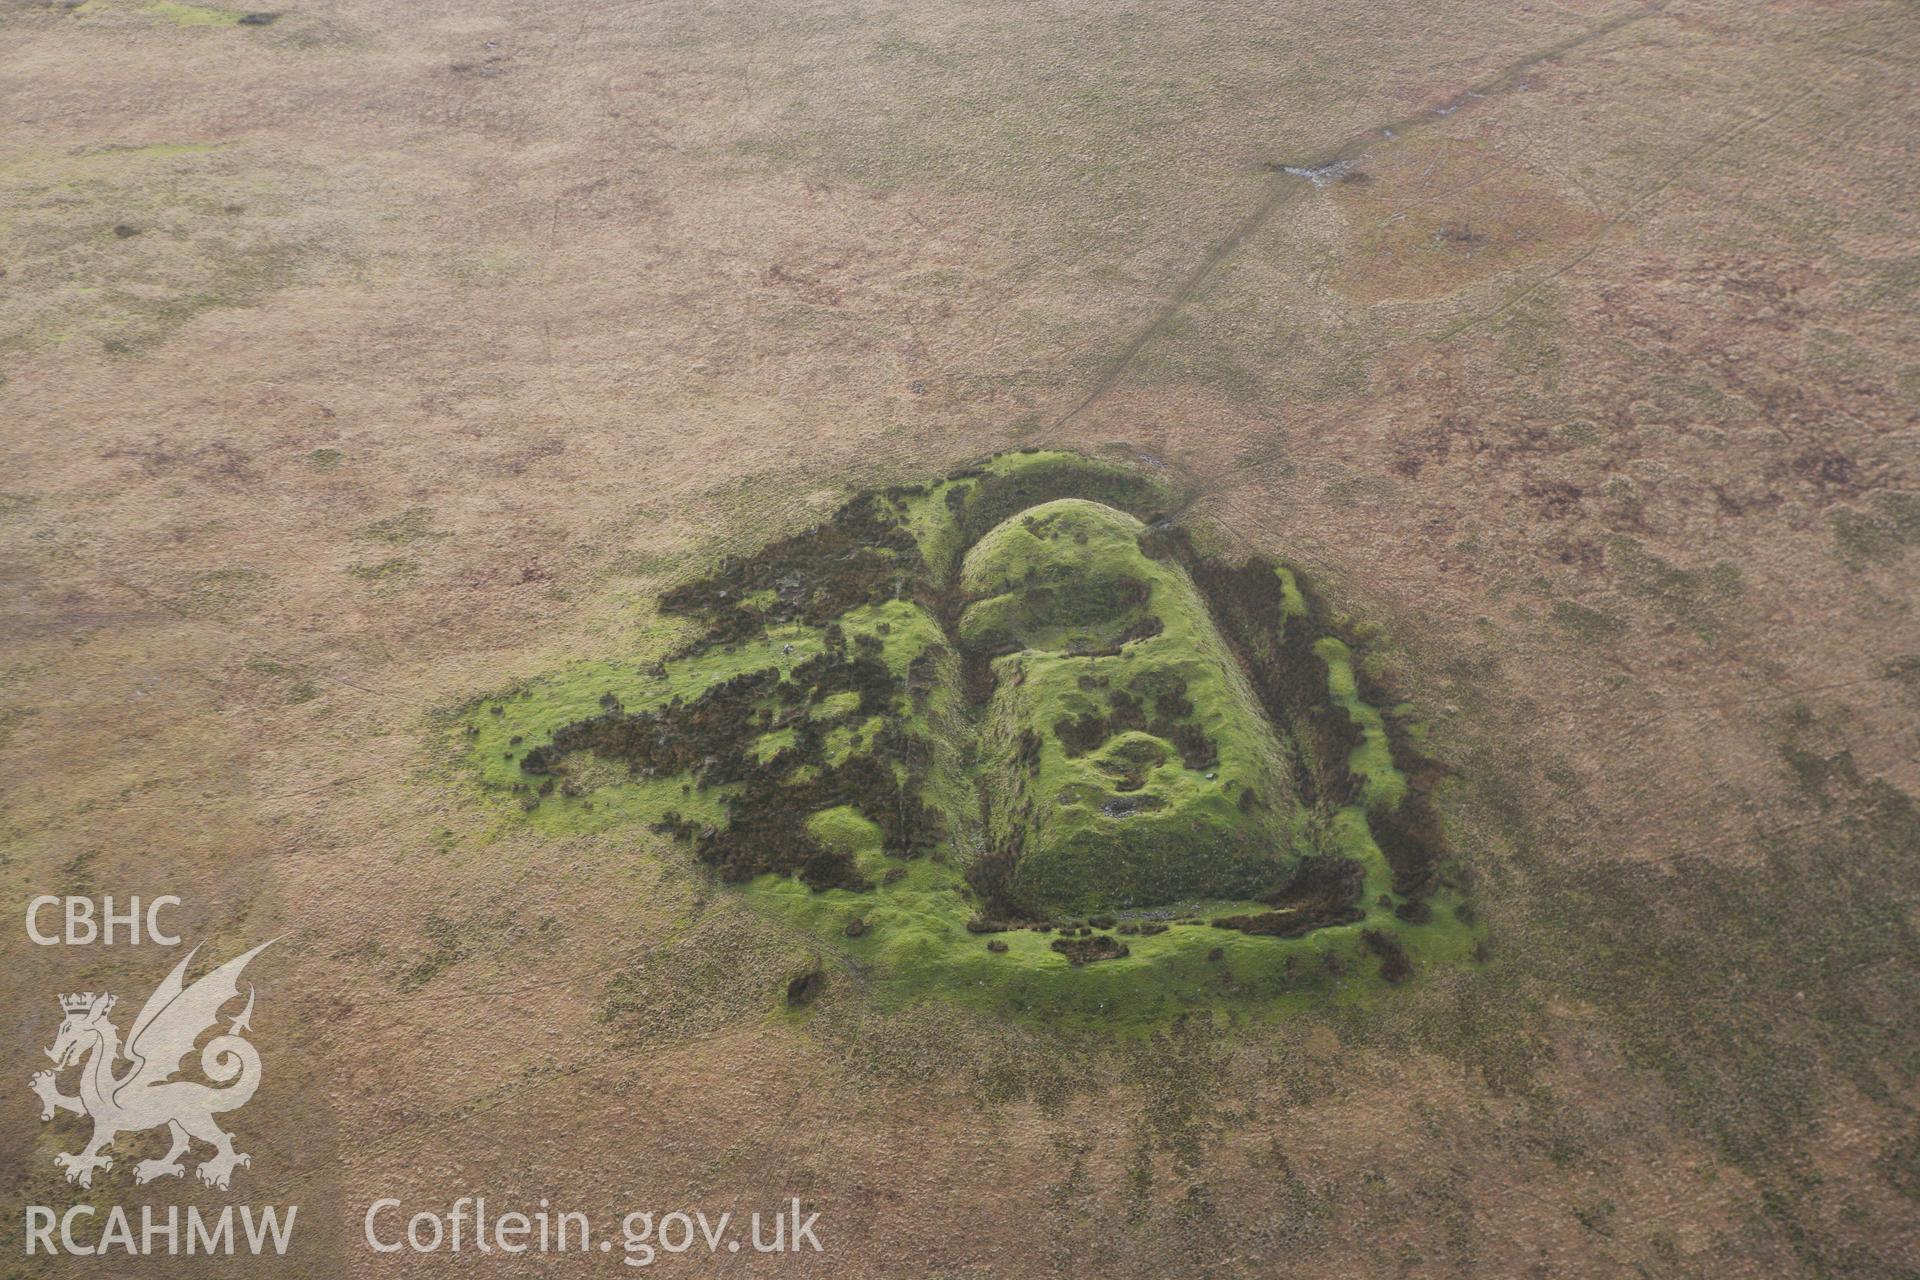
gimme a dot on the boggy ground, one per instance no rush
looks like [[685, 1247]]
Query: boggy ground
[[441, 340]]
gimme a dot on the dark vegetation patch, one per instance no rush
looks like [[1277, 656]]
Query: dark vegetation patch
[[1880, 533], [1322, 892], [994, 497], [1164, 714], [1291, 680], [803, 989], [1288, 675], [862, 555], [991, 876], [1395, 967], [1585, 623], [711, 738], [1100, 946]]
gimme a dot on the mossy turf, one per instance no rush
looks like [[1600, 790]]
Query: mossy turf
[[1005, 739], [1120, 751]]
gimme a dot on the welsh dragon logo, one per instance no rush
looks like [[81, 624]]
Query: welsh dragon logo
[[147, 1095]]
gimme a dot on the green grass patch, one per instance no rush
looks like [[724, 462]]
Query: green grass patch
[[390, 574], [1372, 760], [1184, 795], [193, 15], [1591, 625], [411, 525], [1880, 534]]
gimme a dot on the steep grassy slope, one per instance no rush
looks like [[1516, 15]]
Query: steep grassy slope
[[1126, 760]]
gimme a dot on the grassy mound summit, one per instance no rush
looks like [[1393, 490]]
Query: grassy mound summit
[[1127, 761], [1011, 738]]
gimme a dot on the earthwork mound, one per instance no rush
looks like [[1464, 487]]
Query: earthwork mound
[[1018, 702]]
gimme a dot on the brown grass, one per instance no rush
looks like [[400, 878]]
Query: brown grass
[[585, 294]]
